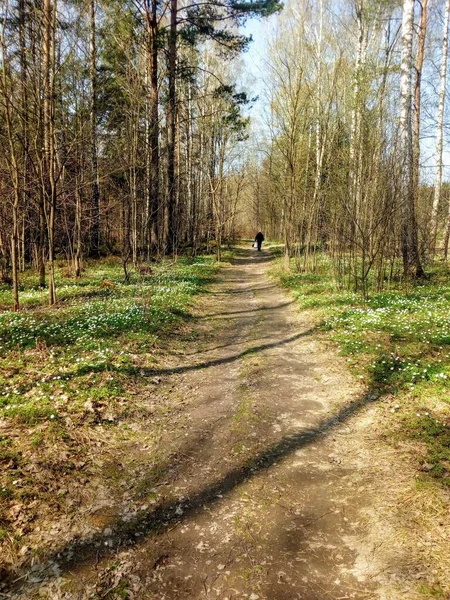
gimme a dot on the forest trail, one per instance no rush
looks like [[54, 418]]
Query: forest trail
[[272, 487]]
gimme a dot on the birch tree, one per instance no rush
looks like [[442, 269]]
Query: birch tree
[[417, 97], [440, 137], [409, 241]]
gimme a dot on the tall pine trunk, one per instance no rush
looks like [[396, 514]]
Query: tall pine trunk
[[171, 126], [49, 158], [154, 224], [95, 231], [14, 169]]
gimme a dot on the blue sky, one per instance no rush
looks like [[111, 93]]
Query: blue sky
[[253, 82], [254, 60]]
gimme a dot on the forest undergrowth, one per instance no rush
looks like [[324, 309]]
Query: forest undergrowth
[[398, 343], [70, 386]]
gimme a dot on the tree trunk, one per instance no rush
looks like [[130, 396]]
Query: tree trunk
[[78, 242], [189, 174], [14, 261], [133, 194], [154, 222], [14, 171], [409, 241], [25, 179], [49, 188], [319, 151], [417, 98], [440, 136], [171, 126], [95, 232], [22, 246], [41, 252], [355, 134]]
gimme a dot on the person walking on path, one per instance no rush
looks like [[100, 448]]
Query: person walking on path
[[259, 239]]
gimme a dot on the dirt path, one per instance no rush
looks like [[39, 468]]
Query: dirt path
[[269, 489]]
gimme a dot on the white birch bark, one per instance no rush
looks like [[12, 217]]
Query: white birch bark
[[405, 89], [356, 114], [411, 261], [439, 127], [319, 141], [417, 96]]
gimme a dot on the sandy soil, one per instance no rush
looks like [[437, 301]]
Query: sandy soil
[[273, 485]]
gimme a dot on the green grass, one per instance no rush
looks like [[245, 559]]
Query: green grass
[[431, 591], [436, 435], [397, 342], [53, 360], [73, 376]]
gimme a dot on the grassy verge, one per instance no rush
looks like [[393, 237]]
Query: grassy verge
[[76, 379], [398, 343], [82, 348]]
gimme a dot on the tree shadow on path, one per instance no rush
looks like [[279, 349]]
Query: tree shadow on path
[[242, 258], [227, 359], [246, 290], [249, 310], [172, 513]]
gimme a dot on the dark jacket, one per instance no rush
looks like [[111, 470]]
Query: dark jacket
[[259, 237]]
